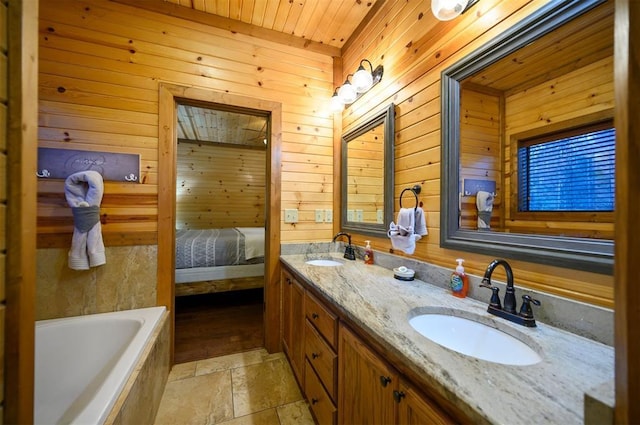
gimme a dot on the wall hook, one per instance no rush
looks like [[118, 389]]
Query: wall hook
[[44, 173], [131, 178]]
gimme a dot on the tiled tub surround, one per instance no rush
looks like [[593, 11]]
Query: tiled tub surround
[[551, 391]]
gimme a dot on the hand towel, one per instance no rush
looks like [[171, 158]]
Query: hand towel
[[421, 223], [484, 203], [83, 191], [402, 234]]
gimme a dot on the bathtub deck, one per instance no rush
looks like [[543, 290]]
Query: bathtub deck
[[217, 390]]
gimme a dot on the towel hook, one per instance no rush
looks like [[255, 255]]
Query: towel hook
[[416, 189]]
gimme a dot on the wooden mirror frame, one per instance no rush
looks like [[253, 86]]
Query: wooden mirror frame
[[591, 255], [386, 117]]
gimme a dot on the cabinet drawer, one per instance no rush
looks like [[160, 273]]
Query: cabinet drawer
[[321, 405], [322, 357], [325, 322]]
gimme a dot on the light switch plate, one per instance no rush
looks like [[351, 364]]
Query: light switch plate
[[328, 216], [290, 215], [359, 216], [350, 215], [380, 216], [319, 216]]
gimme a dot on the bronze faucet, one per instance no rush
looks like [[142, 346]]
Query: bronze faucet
[[349, 252], [525, 316]]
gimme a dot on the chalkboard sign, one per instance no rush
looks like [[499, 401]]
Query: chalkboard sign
[[61, 163]]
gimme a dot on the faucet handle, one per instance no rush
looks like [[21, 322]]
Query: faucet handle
[[495, 297], [525, 309]]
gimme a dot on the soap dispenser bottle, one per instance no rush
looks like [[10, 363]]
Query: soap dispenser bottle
[[459, 282], [368, 253]]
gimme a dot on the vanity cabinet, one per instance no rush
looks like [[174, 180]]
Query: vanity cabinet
[[366, 383], [371, 391], [293, 323], [344, 380]]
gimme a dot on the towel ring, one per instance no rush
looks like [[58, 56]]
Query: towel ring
[[415, 190]]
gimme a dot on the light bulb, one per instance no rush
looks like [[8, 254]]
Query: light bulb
[[446, 10], [336, 104], [362, 80], [347, 93]]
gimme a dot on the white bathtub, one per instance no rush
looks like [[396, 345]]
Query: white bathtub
[[82, 363]]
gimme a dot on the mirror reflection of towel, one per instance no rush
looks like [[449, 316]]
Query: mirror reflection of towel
[[484, 203]]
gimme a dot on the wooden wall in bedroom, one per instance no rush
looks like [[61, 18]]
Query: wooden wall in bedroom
[[415, 48], [101, 64], [220, 186]]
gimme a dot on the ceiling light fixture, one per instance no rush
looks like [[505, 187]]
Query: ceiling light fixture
[[361, 82], [445, 10]]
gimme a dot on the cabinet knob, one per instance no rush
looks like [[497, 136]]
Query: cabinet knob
[[314, 315], [384, 380], [315, 355], [398, 395], [289, 281], [314, 400]]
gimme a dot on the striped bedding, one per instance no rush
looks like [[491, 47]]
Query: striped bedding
[[211, 248]]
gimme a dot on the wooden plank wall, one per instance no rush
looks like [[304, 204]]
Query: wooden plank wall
[[553, 105], [366, 174], [220, 186], [100, 65], [4, 80], [415, 48], [481, 126]]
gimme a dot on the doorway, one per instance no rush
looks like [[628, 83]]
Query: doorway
[[221, 177], [171, 96]]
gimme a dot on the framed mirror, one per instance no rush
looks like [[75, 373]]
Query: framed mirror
[[367, 175], [546, 82]]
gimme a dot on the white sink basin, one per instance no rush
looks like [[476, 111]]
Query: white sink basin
[[474, 339], [324, 263]]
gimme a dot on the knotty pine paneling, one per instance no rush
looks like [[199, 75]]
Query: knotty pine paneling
[[415, 48], [100, 65], [365, 168], [579, 97], [480, 142], [220, 186]]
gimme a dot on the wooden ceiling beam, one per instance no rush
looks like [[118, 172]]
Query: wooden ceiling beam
[[172, 9]]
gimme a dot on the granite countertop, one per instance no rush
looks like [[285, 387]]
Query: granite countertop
[[551, 391]]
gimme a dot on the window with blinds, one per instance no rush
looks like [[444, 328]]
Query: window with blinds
[[569, 171]]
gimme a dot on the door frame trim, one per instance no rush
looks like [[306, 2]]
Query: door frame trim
[[169, 94]]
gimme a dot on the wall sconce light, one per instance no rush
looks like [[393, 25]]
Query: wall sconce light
[[361, 82], [445, 10]]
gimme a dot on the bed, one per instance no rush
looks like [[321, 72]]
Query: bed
[[218, 260]]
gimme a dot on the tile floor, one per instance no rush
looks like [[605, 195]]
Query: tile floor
[[253, 387]]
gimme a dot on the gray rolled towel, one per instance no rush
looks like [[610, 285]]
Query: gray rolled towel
[[84, 218]]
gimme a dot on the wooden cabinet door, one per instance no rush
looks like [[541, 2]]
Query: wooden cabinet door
[[293, 323], [415, 409], [365, 383]]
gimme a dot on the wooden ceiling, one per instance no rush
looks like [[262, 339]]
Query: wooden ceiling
[[229, 127], [583, 41], [329, 22]]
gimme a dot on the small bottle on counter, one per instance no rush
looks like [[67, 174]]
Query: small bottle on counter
[[459, 282], [368, 253]]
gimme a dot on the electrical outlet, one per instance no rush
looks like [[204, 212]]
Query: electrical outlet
[[328, 216], [290, 215], [319, 216], [359, 216], [380, 216]]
